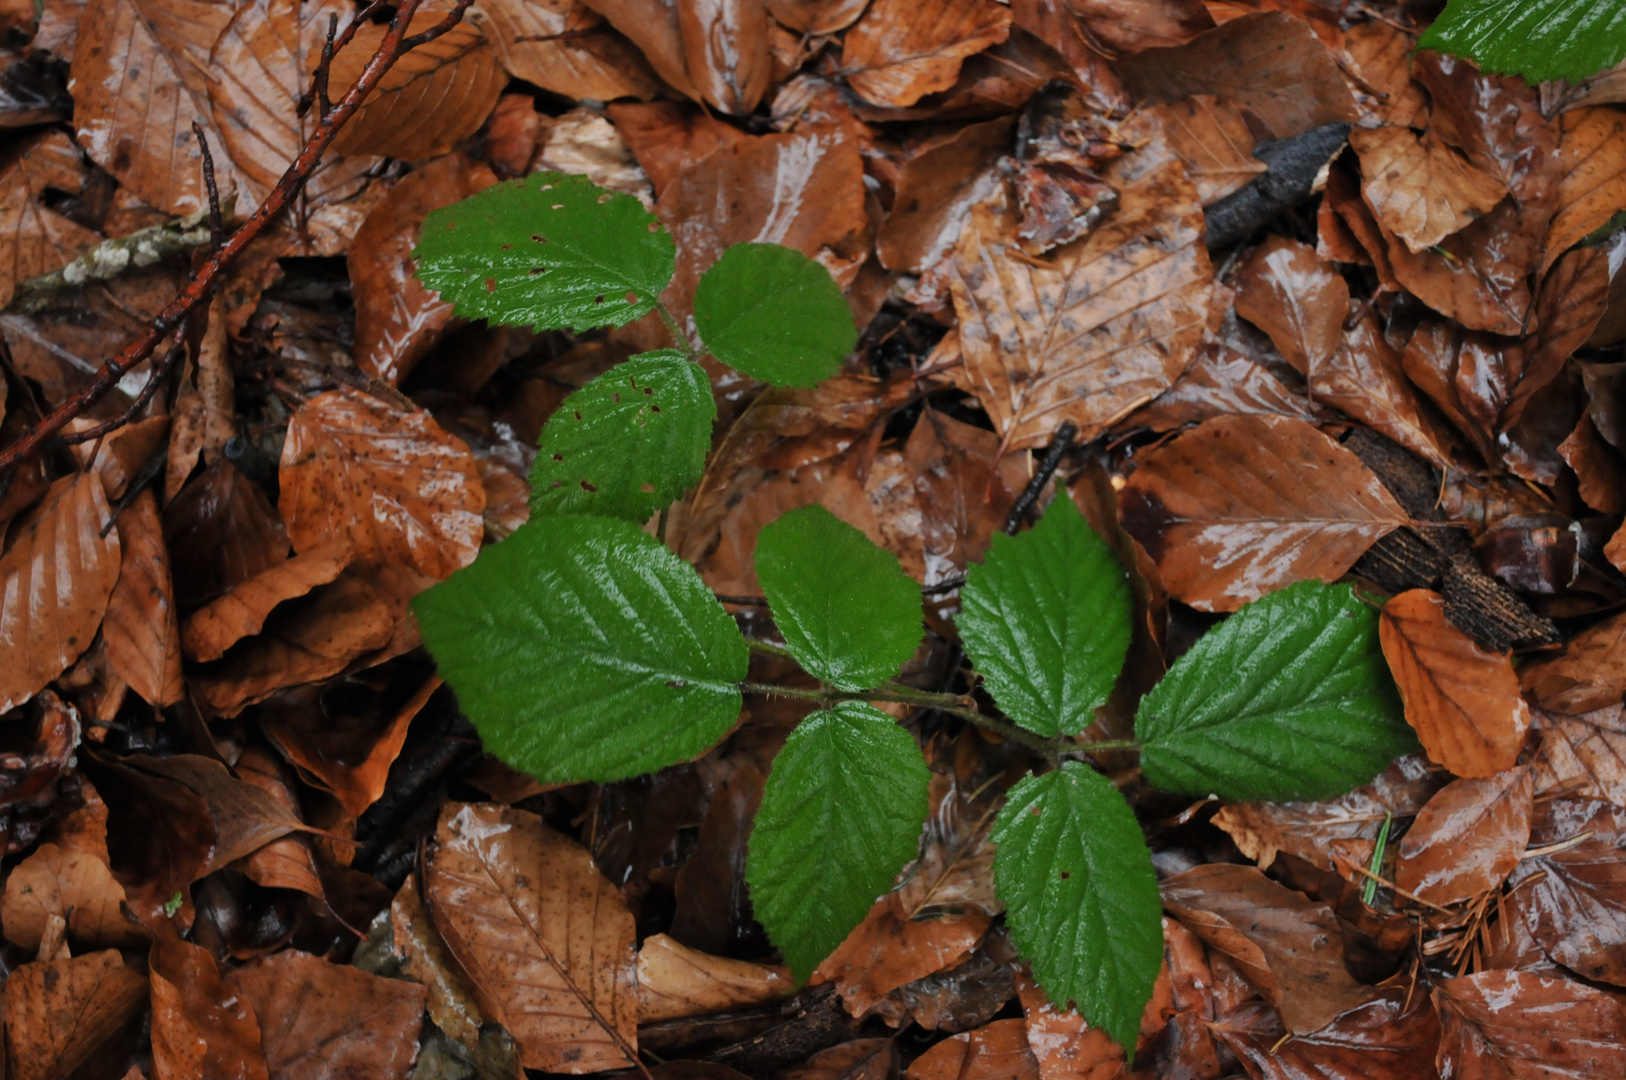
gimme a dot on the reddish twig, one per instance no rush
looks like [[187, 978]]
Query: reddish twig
[[396, 43], [153, 381]]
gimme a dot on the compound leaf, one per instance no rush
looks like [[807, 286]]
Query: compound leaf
[[774, 314], [840, 816], [1539, 39], [582, 649], [1289, 698], [550, 250], [1080, 896], [848, 612], [1046, 619], [627, 443]]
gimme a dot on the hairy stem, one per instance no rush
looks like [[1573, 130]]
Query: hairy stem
[[680, 338]]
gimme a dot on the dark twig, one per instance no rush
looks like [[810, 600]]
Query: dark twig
[[319, 79], [154, 380], [216, 231], [1059, 442]]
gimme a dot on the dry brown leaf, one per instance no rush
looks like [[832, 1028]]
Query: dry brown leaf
[[675, 980], [996, 1051], [1418, 187], [319, 1019], [55, 581], [1463, 702], [1099, 328], [424, 957], [123, 452], [817, 16], [1064, 1045], [216, 627], [159, 842], [1379, 56], [142, 631], [286, 862], [1133, 25], [1589, 674], [1243, 505], [1468, 838], [936, 189], [1591, 177], [434, 97], [546, 939], [64, 1014], [1287, 291], [205, 411], [200, 1029], [725, 49], [1574, 893], [221, 531], [34, 239], [1270, 63], [1288, 947], [140, 80], [1212, 140], [653, 27], [564, 46], [1366, 378], [889, 949], [898, 53], [397, 319], [955, 872], [1502, 1023], [244, 817], [393, 482], [76, 886], [1584, 755]]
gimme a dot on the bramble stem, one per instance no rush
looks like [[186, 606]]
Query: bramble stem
[[677, 333], [768, 649], [1111, 744]]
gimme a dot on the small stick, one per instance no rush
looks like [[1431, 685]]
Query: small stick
[[1059, 442], [215, 229]]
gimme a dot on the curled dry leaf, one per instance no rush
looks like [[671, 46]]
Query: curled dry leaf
[[76, 886], [889, 949], [286, 862], [62, 1015], [675, 980], [397, 318], [34, 239], [320, 1019], [1287, 291], [160, 841], [1591, 177], [1574, 894], [564, 46], [398, 486], [1589, 674], [1212, 140], [141, 630], [1599, 469], [1418, 187], [898, 53], [725, 49], [55, 581], [1468, 838], [1392, 1036], [996, 1051], [1502, 1023], [222, 623], [200, 1029], [424, 957], [1463, 702], [1584, 756], [545, 938], [1243, 505]]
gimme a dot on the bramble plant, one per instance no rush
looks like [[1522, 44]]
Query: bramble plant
[[584, 650], [1539, 39]]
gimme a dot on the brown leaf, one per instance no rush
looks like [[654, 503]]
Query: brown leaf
[[1463, 702], [65, 1014], [1468, 838], [1380, 57], [434, 97], [1393, 1036], [1584, 756], [1243, 505], [244, 816], [955, 872], [141, 630], [1287, 291], [1575, 902], [936, 189], [200, 1029], [397, 319], [1099, 328], [424, 957], [216, 627], [667, 137], [897, 53], [1504, 1023], [1589, 674], [286, 862], [1418, 187], [1132, 25], [160, 841], [545, 938], [1366, 378], [1599, 469], [817, 16], [319, 1019], [74, 885], [1222, 381], [1591, 177], [996, 1051], [653, 27], [565, 47], [33, 238], [1289, 948], [1213, 141], [725, 47], [889, 949], [221, 531], [55, 581], [1270, 63], [675, 980], [394, 482], [1064, 1045]]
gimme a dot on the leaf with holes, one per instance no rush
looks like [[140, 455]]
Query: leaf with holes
[[775, 314], [550, 251], [583, 650], [1287, 699], [840, 816], [627, 443]]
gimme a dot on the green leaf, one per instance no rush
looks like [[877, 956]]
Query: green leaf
[[627, 443], [774, 314], [1539, 39], [1046, 620], [550, 250], [1080, 896], [848, 612], [582, 649], [840, 816], [1289, 698]]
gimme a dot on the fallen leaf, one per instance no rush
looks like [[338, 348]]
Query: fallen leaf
[[1468, 838], [65, 1014], [936, 189], [55, 581], [565, 47], [1503, 1023], [996, 1051], [1212, 140], [667, 137], [222, 623], [954, 874], [221, 531], [1380, 57], [1242, 505], [398, 486], [1418, 187], [159, 842], [1064, 1045], [76, 886], [897, 54], [200, 1029], [1591, 177], [889, 949], [1589, 674], [141, 628], [725, 48], [286, 862], [1583, 756], [654, 29], [1133, 25], [1287, 291], [675, 980], [1222, 381], [320, 1019], [816, 16], [425, 958], [545, 938], [1289, 948], [1599, 470], [1393, 1036], [33, 238], [1366, 378], [1462, 701], [1575, 903]]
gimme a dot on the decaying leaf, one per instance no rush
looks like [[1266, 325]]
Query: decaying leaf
[[142, 630], [63, 1014], [1468, 838], [222, 623], [564, 46], [1393, 1035], [1287, 291], [1420, 188], [1212, 139], [200, 1029], [897, 54], [424, 956], [1576, 885], [996, 1051], [675, 980], [889, 949], [1591, 179], [1584, 755], [725, 46], [33, 238], [1589, 674], [1505, 1023], [75, 886]]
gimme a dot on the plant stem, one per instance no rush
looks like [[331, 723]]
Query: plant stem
[[768, 649], [1111, 744], [678, 336]]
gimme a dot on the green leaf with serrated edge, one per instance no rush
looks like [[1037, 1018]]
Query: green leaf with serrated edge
[[550, 251], [1046, 620], [1289, 698], [1539, 39], [627, 443], [774, 314], [841, 815], [848, 612], [1074, 873], [582, 649]]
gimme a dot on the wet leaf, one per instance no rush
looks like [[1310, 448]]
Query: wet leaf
[[200, 1029], [775, 314], [725, 46], [1211, 137], [654, 29], [1576, 902], [240, 613], [897, 54], [33, 238], [675, 980], [1589, 674], [860, 1059], [76, 886], [1393, 1037], [1380, 54], [564, 46], [890, 949], [221, 531], [996, 1051], [1584, 755], [816, 16], [936, 189], [425, 957], [1288, 292], [1468, 838], [1591, 186], [1365, 377], [1504, 1022], [62, 1015], [1133, 25], [1418, 187], [1222, 381], [668, 137]]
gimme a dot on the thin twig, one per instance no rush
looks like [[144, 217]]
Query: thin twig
[[1397, 890], [1059, 442], [216, 230], [154, 380]]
